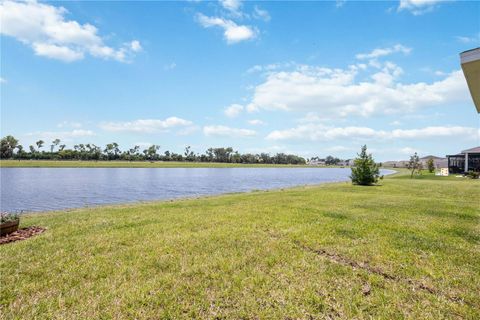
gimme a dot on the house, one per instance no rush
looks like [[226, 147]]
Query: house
[[346, 163], [470, 61], [319, 162], [467, 160]]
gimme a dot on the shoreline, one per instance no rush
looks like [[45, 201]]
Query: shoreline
[[142, 164], [191, 198]]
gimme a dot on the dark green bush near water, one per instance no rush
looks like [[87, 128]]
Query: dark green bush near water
[[365, 171]]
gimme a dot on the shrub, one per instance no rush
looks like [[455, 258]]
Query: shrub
[[473, 175], [430, 165], [7, 217], [365, 171]]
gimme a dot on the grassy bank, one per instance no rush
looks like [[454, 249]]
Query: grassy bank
[[406, 249], [132, 164]]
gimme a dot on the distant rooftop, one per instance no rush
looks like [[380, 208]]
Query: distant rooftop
[[472, 150], [431, 157]]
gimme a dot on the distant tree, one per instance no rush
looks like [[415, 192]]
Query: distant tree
[[365, 171], [430, 165], [331, 161], [55, 143], [39, 144], [7, 146], [414, 165], [152, 152]]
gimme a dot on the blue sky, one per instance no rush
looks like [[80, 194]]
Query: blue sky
[[311, 78]]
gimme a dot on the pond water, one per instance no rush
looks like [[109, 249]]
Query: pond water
[[44, 189]]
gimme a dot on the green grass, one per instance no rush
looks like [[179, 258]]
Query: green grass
[[131, 164], [302, 253]]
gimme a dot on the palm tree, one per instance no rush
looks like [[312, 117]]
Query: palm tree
[[55, 143], [39, 144]]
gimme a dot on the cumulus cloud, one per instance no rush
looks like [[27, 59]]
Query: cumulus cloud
[[50, 34], [232, 32], [231, 5], [225, 131], [418, 7], [319, 132], [146, 125], [233, 110], [380, 52], [339, 92]]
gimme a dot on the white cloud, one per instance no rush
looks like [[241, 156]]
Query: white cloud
[[62, 135], [231, 5], [319, 132], [408, 150], [262, 14], [135, 46], [338, 92], [380, 52], [3, 80], [256, 122], [338, 149], [469, 40], [227, 131], [233, 33], [146, 125], [270, 67], [395, 123], [418, 7], [233, 110], [45, 28], [69, 124], [57, 52]]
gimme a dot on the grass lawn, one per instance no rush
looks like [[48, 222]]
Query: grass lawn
[[132, 164], [405, 249]]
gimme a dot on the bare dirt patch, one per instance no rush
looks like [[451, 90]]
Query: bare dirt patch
[[21, 234]]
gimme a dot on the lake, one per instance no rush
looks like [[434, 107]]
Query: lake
[[44, 189]]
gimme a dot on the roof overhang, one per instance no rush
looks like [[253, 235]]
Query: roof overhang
[[470, 61]]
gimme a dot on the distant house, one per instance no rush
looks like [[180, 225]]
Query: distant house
[[346, 163], [319, 162], [467, 160]]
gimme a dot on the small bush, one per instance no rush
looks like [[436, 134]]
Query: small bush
[[473, 175], [7, 217]]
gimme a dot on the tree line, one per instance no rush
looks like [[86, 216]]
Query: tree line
[[11, 149]]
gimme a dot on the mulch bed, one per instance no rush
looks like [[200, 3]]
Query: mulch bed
[[21, 234]]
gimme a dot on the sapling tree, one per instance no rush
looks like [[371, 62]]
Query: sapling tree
[[365, 171], [414, 165], [430, 165]]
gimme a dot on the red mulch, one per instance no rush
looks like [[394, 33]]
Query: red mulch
[[21, 234]]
